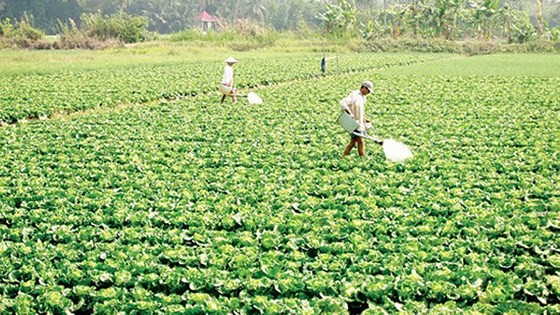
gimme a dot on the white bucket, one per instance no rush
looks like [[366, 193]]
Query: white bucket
[[225, 89]]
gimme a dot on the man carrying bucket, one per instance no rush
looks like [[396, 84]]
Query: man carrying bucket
[[354, 105], [226, 88]]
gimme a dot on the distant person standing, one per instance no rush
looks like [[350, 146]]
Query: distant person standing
[[324, 66], [354, 105], [227, 88]]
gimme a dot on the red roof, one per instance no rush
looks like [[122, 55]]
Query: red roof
[[206, 17]]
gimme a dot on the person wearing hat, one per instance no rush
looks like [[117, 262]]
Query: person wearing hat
[[354, 105], [226, 88]]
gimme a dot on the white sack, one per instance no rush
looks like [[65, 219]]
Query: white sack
[[396, 151], [253, 98]]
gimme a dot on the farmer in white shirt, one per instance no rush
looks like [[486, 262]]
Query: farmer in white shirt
[[226, 88], [354, 105]]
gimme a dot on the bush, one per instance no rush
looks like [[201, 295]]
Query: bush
[[389, 44], [478, 48], [555, 34], [541, 46], [244, 35], [19, 34], [71, 37], [522, 30], [100, 32], [121, 26]]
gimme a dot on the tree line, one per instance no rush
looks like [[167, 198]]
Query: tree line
[[450, 19]]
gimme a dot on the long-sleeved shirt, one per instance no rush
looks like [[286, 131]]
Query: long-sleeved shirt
[[227, 79], [355, 102]]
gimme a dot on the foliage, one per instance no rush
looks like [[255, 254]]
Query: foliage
[[542, 46], [71, 37], [555, 34], [448, 19], [388, 44], [43, 14], [484, 17], [121, 26], [205, 208], [471, 47], [245, 27], [83, 90], [452, 20], [243, 35], [339, 20], [100, 32], [522, 30], [507, 16], [18, 34], [293, 15], [425, 18]]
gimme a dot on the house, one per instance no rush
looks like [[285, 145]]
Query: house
[[207, 22]]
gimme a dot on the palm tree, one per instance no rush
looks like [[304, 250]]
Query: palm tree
[[229, 10], [208, 6], [171, 15], [256, 10]]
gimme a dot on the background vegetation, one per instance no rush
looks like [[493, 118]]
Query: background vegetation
[[257, 23]]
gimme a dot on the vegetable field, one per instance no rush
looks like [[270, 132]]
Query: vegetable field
[[156, 205], [41, 95]]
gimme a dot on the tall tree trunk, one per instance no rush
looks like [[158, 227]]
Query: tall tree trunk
[[540, 22], [507, 29]]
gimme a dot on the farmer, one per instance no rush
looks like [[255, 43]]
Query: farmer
[[324, 66], [354, 105], [226, 88]]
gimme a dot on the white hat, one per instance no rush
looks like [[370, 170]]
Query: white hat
[[230, 60], [368, 85]]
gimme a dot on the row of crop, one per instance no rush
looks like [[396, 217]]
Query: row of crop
[[41, 95], [192, 207]]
